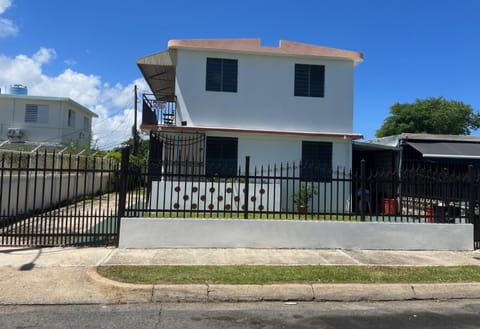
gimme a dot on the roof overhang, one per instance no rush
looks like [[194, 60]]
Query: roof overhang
[[365, 146], [452, 150], [159, 72], [181, 129]]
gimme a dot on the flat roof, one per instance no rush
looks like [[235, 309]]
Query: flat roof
[[51, 99], [254, 46], [364, 146], [394, 140]]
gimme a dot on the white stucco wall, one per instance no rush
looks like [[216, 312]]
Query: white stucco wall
[[12, 115], [274, 156], [265, 97], [284, 150], [214, 196], [266, 149], [208, 233], [37, 192]]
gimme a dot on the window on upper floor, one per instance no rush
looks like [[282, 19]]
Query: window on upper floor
[[36, 113], [222, 74], [86, 124], [309, 80], [221, 156], [71, 118], [316, 161]]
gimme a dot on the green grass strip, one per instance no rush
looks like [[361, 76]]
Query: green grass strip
[[250, 274], [258, 215]]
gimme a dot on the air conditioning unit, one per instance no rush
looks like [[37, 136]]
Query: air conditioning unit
[[14, 133]]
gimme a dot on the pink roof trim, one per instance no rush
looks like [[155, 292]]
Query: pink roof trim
[[254, 45]]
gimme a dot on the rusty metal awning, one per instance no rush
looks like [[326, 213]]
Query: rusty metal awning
[[159, 72]]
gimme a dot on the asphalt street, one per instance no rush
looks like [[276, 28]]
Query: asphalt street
[[412, 314]]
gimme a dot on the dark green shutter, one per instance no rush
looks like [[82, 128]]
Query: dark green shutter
[[221, 156], [316, 161], [309, 80], [222, 74]]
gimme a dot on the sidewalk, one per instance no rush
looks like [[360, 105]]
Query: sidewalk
[[67, 275]]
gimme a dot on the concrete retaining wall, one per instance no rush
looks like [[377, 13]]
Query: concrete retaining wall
[[23, 193], [219, 233]]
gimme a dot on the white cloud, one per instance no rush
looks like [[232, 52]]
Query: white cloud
[[44, 55], [7, 27], [24, 69], [4, 5], [70, 62], [112, 104]]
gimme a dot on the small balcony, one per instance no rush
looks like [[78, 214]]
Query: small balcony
[[159, 111]]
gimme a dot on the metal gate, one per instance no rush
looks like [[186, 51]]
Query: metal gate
[[49, 199]]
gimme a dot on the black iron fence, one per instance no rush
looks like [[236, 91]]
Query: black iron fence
[[283, 191], [49, 199], [56, 199]]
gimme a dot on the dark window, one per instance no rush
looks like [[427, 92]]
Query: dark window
[[222, 74], [316, 161], [221, 156], [309, 80]]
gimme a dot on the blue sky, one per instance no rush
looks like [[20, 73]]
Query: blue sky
[[413, 48]]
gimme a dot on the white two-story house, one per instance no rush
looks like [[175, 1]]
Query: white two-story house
[[235, 97], [57, 121]]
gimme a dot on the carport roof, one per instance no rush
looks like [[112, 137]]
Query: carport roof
[[454, 150]]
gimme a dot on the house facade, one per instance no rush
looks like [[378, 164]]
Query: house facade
[[292, 103], [44, 120]]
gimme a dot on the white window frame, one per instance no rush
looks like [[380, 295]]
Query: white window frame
[[71, 118], [86, 124], [36, 113]]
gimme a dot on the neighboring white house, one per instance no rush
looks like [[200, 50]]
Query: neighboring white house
[[291, 103], [44, 120]]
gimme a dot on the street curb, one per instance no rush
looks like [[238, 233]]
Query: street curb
[[119, 292], [149, 293], [141, 293]]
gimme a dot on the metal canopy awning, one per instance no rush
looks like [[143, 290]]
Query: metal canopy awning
[[453, 150], [159, 72]]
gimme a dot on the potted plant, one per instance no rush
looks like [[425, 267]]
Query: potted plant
[[303, 195]]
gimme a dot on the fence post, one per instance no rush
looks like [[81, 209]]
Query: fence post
[[247, 179], [363, 181], [471, 198], [122, 193]]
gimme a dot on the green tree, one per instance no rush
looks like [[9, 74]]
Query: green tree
[[430, 116], [142, 154]]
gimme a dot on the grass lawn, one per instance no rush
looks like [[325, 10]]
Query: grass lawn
[[250, 274], [251, 215], [277, 216]]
